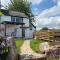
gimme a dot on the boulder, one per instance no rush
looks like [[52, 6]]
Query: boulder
[[44, 47]]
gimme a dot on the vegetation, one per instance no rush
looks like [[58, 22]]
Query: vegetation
[[3, 49], [1, 14], [4, 56], [21, 6], [35, 45], [44, 28], [19, 43]]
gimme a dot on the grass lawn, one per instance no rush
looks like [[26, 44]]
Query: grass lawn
[[34, 44], [19, 43]]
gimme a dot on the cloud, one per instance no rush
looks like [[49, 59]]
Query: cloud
[[50, 12], [5, 3], [51, 22], [35, 11], [46, 19], [35, 1], [57, 1]]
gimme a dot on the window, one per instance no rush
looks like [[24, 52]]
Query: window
[[13, 19], [16, 19]]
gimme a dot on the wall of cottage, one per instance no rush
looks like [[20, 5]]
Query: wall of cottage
[[26, 21], [5, 18], [10, 29]]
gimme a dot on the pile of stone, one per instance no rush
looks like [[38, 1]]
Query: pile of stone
[[49, 50]]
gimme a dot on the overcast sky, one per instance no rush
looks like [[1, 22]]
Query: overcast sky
[[47, 11]]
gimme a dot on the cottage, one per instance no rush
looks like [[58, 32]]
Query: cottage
[[17, 24]]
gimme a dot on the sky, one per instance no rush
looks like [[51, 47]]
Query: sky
[[47, 12]]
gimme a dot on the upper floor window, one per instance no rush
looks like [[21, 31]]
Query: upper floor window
[[16, 19], [13, 19]]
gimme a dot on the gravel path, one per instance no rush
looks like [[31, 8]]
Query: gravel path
[[26, 50]]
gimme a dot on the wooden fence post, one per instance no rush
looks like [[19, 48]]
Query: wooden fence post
[[12, 49]]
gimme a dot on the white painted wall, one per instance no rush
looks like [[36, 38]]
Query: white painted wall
[[5, 18], [26, 33], [9, 31], [29, 33], [19, 33], [26, 21], [2, 33]]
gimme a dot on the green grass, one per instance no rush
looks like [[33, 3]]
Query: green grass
[[34, 44], [19, 43]]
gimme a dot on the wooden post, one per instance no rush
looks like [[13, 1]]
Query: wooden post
[[5, 29], [22, 31], [12, 49]]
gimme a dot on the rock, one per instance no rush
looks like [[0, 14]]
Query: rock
[[44, 47]]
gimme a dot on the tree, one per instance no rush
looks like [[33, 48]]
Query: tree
[[1, 14], [44, 28], [21, 6]]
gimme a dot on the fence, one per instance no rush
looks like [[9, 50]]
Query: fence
[[53, 54]]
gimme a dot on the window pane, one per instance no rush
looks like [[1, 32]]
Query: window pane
[[18, 20], [13, 19]]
